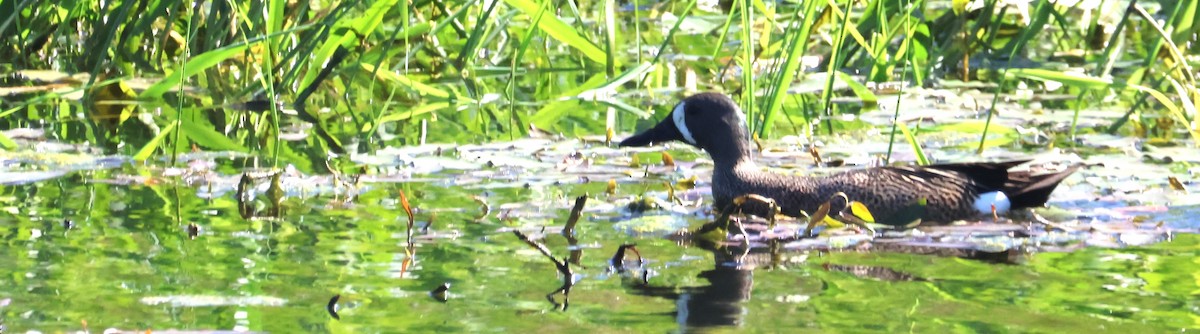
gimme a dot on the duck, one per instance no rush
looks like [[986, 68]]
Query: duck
[[938, 194]]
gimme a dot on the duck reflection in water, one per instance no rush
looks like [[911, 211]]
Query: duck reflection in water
[[720, 302]]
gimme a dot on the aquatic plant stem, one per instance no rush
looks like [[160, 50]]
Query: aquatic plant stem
[[748, 89], [908, 39], [187, 51], [834, 63]]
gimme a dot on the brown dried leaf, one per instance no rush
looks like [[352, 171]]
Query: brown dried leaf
[[667, 159], [1175, 184]]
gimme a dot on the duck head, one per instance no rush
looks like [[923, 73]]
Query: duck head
[[710, 121]]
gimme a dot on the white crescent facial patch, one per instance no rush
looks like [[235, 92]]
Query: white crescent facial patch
[[677, 115]]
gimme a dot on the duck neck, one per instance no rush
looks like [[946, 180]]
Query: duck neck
[[728, 158]]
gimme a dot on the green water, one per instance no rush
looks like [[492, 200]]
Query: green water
[[126, 261]]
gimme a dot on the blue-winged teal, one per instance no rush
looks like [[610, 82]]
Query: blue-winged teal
[[712, 122]]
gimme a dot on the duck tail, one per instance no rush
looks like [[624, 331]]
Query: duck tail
[[1032, 188]]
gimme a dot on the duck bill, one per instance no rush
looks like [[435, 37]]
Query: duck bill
[[665, 131]]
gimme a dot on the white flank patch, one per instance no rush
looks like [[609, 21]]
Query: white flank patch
[[985, 202], [677, 115]]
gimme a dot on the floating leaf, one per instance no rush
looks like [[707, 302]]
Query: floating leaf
[[831, 222], [667, 159], [1175, 184], [714, 232], [817, 217], [688, 183], [860, 210]]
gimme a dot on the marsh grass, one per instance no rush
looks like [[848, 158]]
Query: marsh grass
[[360, 76]]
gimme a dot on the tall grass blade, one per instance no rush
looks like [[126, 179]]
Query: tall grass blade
[[146, 151], [916, 145], [1041, 14], [201, 132], [796, 45], [662, 49], [511, 86], [7, 143], [193, 66], [364, 25], [837, 59], [417, 86], [748, 56], [610, 37], [561, 31], [865, 95], [467, 54]]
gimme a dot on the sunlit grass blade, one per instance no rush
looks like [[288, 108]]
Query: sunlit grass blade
[[610, 88], [413, 112], [1089, 82], [662, 49], [146, 151], [868, 98], [610, 37], [1079, 80], [1041, 14], [916, 145], [837, 59], [1182, 68], [561, 32], [364, 25], [193, 66], [201, 132], [998, 136], [797, 44], [7, 143], [467, 53], [510, 88], [724, 34], [403, 80], [547, 116], [749, 90]]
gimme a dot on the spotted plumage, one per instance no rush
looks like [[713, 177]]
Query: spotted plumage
[[711, 121]]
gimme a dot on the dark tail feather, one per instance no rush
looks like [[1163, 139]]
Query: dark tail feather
[[1026, 189], [988, 175]]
